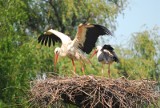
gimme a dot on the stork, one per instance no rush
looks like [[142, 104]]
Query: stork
[[76, 49], [106, 55]]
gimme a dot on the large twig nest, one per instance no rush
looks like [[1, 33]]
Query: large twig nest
[[94, 92]]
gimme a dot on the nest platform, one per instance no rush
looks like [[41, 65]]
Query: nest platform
[[93, 92]]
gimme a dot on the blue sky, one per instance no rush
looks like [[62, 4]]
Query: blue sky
[[138, 16]]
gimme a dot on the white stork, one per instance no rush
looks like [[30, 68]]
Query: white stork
[[84, 41], [106, 55]]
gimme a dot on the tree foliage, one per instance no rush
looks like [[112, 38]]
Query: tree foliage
[[144, 46], [22, 58], [21, 21], [66, 15], [142, 59]]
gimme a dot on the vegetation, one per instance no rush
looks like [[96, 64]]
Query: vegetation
[[143, 58], [22, 58]]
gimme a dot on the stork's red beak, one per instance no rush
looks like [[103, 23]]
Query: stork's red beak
[[55, 59], [95, 52]]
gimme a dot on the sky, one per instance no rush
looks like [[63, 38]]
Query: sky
[[138, 16]]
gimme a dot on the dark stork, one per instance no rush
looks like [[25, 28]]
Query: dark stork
[[106, 55], [76, 49]]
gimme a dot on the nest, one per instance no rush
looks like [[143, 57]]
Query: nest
[[93, 92]]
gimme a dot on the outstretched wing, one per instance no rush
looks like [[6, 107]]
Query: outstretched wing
[[52, 36], [87, 35]]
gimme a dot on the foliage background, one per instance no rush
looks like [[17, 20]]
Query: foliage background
[[22, 59]]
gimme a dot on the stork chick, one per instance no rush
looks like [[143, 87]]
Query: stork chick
[[106, 55]]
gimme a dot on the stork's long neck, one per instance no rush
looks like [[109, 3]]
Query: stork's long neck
[[98, 53], [61, 52], [99, 49]]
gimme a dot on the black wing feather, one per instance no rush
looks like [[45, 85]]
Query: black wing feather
[[108, 47], [92, 35], [50, 41], [44, 39], [116, 59]]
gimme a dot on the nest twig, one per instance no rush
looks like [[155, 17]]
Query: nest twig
[[94, 92]]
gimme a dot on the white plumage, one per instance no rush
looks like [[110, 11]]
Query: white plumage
[[84, 41]]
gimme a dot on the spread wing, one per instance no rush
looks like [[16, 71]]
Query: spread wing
[[87, 35], [52, 36]]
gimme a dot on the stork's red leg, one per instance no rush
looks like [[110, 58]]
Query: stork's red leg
[[74, 67], [102, 70], [55, 69], [90, 62], [82, 67], [109, 70]]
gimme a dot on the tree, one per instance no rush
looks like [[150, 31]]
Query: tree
[[143, 59], [21, 58], [143, 46], [11, 21], [66, 15]]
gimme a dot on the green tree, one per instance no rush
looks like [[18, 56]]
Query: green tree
[[21, 57], [143, 46], [66, 15], [12, 16], [143, 57]]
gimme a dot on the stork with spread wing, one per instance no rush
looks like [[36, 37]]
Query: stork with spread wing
[[84, 41]]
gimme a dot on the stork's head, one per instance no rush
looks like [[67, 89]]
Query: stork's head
[[56, 52], [98, 48]]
